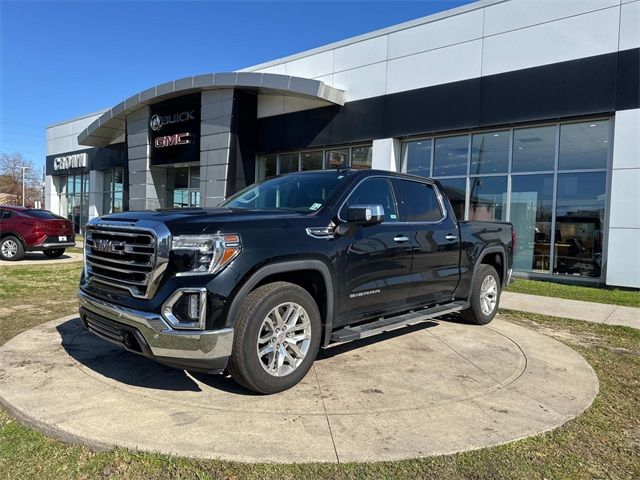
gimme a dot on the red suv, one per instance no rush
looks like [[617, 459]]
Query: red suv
[[30, 229]]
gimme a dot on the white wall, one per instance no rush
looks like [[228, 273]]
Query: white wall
[[623, 254], [483, 38], [63, 137]]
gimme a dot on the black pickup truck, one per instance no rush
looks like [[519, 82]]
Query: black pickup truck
[[255, 287]]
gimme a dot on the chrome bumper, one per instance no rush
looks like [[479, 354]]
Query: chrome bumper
[[56, 245], [189, 348]]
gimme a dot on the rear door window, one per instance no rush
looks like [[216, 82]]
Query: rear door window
[[418, 202]]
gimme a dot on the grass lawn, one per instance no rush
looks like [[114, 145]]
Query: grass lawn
[[604, 442], [614, 296]]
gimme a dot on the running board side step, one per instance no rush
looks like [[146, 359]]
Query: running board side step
[[365, 330]]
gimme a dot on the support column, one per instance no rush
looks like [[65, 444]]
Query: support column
[[146, 184], [51, 199], [215, 135], [386, 154], [623, 256], [96, 194]]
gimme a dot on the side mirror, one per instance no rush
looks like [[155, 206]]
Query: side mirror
[[365, 214]]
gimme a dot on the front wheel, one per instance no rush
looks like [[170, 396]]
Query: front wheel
[[276, 338], [485, 296], [11, 249], [54, 252]]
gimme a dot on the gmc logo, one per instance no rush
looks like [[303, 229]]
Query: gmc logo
[[108, 246], [171, 140]]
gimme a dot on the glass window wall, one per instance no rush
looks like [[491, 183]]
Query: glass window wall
[[531, 215], [451, 156], [416, 157], [488, 198], [534, 177], [74, 200], [113, 197], [183, 187], [490, 152], [358, 157]]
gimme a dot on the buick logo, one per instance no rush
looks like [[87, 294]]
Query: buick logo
[[108, 246], [155, 123]]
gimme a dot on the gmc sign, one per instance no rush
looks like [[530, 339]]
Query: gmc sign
[[171, 140]]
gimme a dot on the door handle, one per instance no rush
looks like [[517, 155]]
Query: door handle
[[400, 238], [451, 236]]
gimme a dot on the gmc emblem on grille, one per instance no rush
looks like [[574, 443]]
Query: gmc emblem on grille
[[108, 246]]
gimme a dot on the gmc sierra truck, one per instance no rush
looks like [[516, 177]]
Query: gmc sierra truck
[[288, 265]]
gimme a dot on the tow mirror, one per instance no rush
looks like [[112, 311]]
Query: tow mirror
[[365, 214]]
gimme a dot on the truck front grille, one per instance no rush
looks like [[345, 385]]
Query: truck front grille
[[121, 258]]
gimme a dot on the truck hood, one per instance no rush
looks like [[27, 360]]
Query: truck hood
[[201, 220]]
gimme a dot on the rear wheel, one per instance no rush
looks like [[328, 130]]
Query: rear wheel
[[54, 252], [485, 296], [11, 249], [276, 338]]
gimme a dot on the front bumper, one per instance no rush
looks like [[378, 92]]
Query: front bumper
[[148, 334]]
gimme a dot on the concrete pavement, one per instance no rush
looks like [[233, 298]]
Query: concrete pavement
[[433, 388], [575, 309]]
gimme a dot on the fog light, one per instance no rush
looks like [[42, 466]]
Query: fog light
[[186, 309]]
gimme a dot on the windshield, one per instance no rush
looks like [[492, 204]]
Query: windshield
[[303, 192]]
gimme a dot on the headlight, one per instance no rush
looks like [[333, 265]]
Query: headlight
[[201, 254]]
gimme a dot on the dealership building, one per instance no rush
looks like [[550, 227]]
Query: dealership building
[[525, 112]]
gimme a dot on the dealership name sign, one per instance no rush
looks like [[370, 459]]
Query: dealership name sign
[[170, 140], [66, 162]]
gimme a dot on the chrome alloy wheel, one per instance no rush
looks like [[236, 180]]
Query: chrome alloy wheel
[[284, 339], [488, 294], [9, 249]]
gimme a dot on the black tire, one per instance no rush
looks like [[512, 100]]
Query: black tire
[[11, 244], [475, 314], [54, 252], [245, 365]]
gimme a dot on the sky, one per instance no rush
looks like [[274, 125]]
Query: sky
[[62, 59]]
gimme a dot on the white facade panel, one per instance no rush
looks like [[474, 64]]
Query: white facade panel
[[517, 14], [582, 36], [312, 66], [362, 53], [296, 104], [625, 204], [363, 82], [630, 26], [451, 64], [626, 139], [623, 258], [438, 34]]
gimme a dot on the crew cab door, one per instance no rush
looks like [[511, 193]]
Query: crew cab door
[[374, 263], [436, 252]]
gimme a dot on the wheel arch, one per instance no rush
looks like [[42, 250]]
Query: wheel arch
[[496, 256], [278, 272]]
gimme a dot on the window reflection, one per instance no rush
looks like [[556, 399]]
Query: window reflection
[[456, 190], [288, 163], [490, 152], [488, 198], [531, 215], [579, 223], [312, 160], [451, 156], [361, 158], [416, 158], [584, 145], [534, 149]]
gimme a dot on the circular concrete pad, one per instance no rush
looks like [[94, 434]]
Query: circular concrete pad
[[434, 388]]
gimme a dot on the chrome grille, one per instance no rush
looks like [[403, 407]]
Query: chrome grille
[[121, 258]]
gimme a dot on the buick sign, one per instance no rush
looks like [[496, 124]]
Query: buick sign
[[156, 122]]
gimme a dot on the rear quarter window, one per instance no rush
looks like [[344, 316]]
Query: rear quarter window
[[419, 202]]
